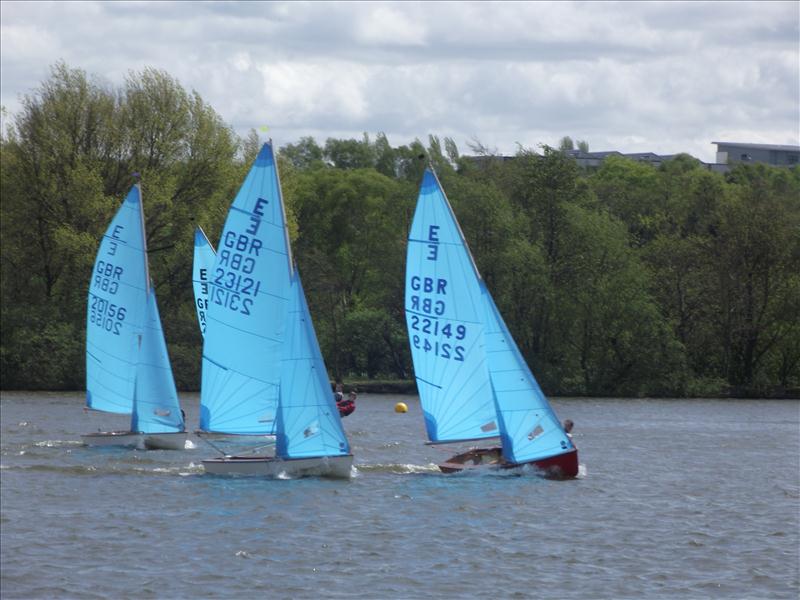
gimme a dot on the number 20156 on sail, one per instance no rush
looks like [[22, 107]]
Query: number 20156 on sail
[[106, 315]]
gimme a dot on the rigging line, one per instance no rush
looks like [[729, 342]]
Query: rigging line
[[154, 250], [255, 449], [214, 446]]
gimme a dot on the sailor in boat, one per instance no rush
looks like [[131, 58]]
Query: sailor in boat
[[338, 393], [347, 406], [494, 455], [568, 425]]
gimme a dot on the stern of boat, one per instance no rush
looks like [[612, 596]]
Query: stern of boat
[[165, 441], [110, 439], [562, 466]]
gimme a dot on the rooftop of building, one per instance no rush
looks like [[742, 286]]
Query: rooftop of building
[[782, 147]]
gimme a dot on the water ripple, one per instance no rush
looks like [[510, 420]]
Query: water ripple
[[701, 506]]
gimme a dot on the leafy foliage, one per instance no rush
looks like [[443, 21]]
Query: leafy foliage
[[624, 280]]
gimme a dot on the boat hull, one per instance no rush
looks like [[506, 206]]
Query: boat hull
[[268, 466], [125, 439], [132, 439], [231, 444], [561, 466], [165, 441]]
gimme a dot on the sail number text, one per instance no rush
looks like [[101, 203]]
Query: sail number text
[[429, 296], [202, 303], [233, 288], [107, 277], [106, 315], [445, 337], [434, 335]]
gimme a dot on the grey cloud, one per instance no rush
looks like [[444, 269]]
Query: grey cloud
[[665, 77]]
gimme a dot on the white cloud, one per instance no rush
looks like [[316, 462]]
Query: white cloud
[[299, 91], [390, 26], [634, 76]]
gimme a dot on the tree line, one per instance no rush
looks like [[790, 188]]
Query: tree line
[[623, 280]]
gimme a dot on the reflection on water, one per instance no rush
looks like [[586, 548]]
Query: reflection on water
[[676, 499]]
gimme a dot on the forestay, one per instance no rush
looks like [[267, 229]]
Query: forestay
[[203, 265], [444, 313], [308, 420], [115, 312], [529, 428], [249, 297], [156, 409]]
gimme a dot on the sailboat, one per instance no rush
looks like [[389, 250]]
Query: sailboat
[[127, 365], [263, 371], [204, 257], [473, 382]]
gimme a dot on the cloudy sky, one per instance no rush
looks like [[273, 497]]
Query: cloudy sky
[[664, 77]]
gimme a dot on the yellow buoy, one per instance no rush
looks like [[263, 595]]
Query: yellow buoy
[[400, 407]]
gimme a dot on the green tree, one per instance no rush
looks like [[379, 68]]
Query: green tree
[[631, 191], [305, 154], [350, 154], [350, 251], [68, 160], [755, 260]]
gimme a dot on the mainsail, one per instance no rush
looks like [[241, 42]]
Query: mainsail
[[156, 409], [115, 311], [308, 420], [204, 257], [248, 304], [445, 317]]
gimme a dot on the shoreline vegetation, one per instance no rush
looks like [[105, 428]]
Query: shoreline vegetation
[[625, 280], [408, 388]]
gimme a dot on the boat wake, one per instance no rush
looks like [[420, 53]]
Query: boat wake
[[58, 443], [398, 468], [108, 469]]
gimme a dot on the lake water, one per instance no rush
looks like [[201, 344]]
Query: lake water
[[677, 499]]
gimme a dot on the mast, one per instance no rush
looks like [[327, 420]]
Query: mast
[[144, 239], [203, 233], [455, 220], [283, 212]]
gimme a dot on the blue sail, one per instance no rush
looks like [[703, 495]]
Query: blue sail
[[308, 420], [115, 311], [445, 319], [248, 303], [156, 408], [529, 428], [204, 257]]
